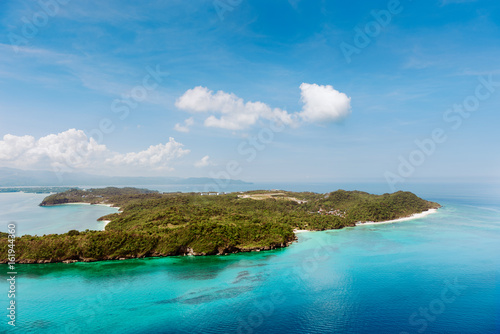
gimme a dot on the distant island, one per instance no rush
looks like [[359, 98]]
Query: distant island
[[153, 224], [35, 190], [12, 177]]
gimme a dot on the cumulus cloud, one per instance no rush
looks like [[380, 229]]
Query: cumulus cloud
[[228, 111], [204, 162], [157, 156], [73, 150], [71, 147], [323, 103], [184, 128], [235, 114], [11, 147]]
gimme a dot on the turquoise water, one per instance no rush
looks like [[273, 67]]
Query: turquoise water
[[438, 274], [23, 209]]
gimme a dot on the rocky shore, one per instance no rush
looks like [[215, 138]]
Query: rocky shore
[[185, 252]]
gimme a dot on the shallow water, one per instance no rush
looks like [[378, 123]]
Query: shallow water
[[437, 274], [23, 209]]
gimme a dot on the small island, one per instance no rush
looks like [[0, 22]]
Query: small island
[[153, 224]]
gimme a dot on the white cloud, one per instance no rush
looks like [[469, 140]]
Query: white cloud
[[204, 162], [184, 128], [71, 147], [323, 103], [235, 113], [228, 111], [157, 156], [13, 146], [73, 150]]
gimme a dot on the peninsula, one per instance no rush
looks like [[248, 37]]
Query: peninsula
[[153, 224]]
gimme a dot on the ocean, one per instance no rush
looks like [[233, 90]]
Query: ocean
[[436, 274]]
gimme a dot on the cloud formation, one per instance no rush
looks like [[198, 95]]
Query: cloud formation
[[184, 128], [204, 162], [235, 114], [72, 149], [228, 111], [158, 156], [323, 103]]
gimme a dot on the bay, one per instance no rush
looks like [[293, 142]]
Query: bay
[[23, 210]]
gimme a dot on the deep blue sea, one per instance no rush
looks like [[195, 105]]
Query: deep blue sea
[[438, 274]]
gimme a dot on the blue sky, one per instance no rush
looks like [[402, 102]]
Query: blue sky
[[228, 70]]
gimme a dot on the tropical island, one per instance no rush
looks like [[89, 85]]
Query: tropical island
[[153, 224]]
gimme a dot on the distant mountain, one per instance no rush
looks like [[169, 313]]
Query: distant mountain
[[10, 177]]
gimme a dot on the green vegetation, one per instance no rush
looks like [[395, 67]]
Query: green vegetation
[[154, 224], [110, 195]]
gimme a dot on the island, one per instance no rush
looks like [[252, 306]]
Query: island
[[153, 224], [34, 190]]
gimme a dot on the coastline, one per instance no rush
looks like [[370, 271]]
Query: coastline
[[185, 249], [85, 203], [412, 217], [106, 222], [224, 252], [300, 231]]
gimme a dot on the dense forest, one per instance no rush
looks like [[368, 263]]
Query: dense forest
[[155, 224]]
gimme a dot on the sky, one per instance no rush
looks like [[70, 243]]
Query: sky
[[291, 91]]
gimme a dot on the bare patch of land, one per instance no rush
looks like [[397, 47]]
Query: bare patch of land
[[278, 196]]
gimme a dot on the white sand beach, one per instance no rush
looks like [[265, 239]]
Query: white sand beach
[[300, 231], [83, 203], [412, 217], [106, 222]]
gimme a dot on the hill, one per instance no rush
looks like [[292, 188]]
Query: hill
[[154, 224]]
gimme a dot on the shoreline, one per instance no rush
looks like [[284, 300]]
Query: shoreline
[[224, 252], [106, 222], [301, 231], [85, 203], [412, 217]]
